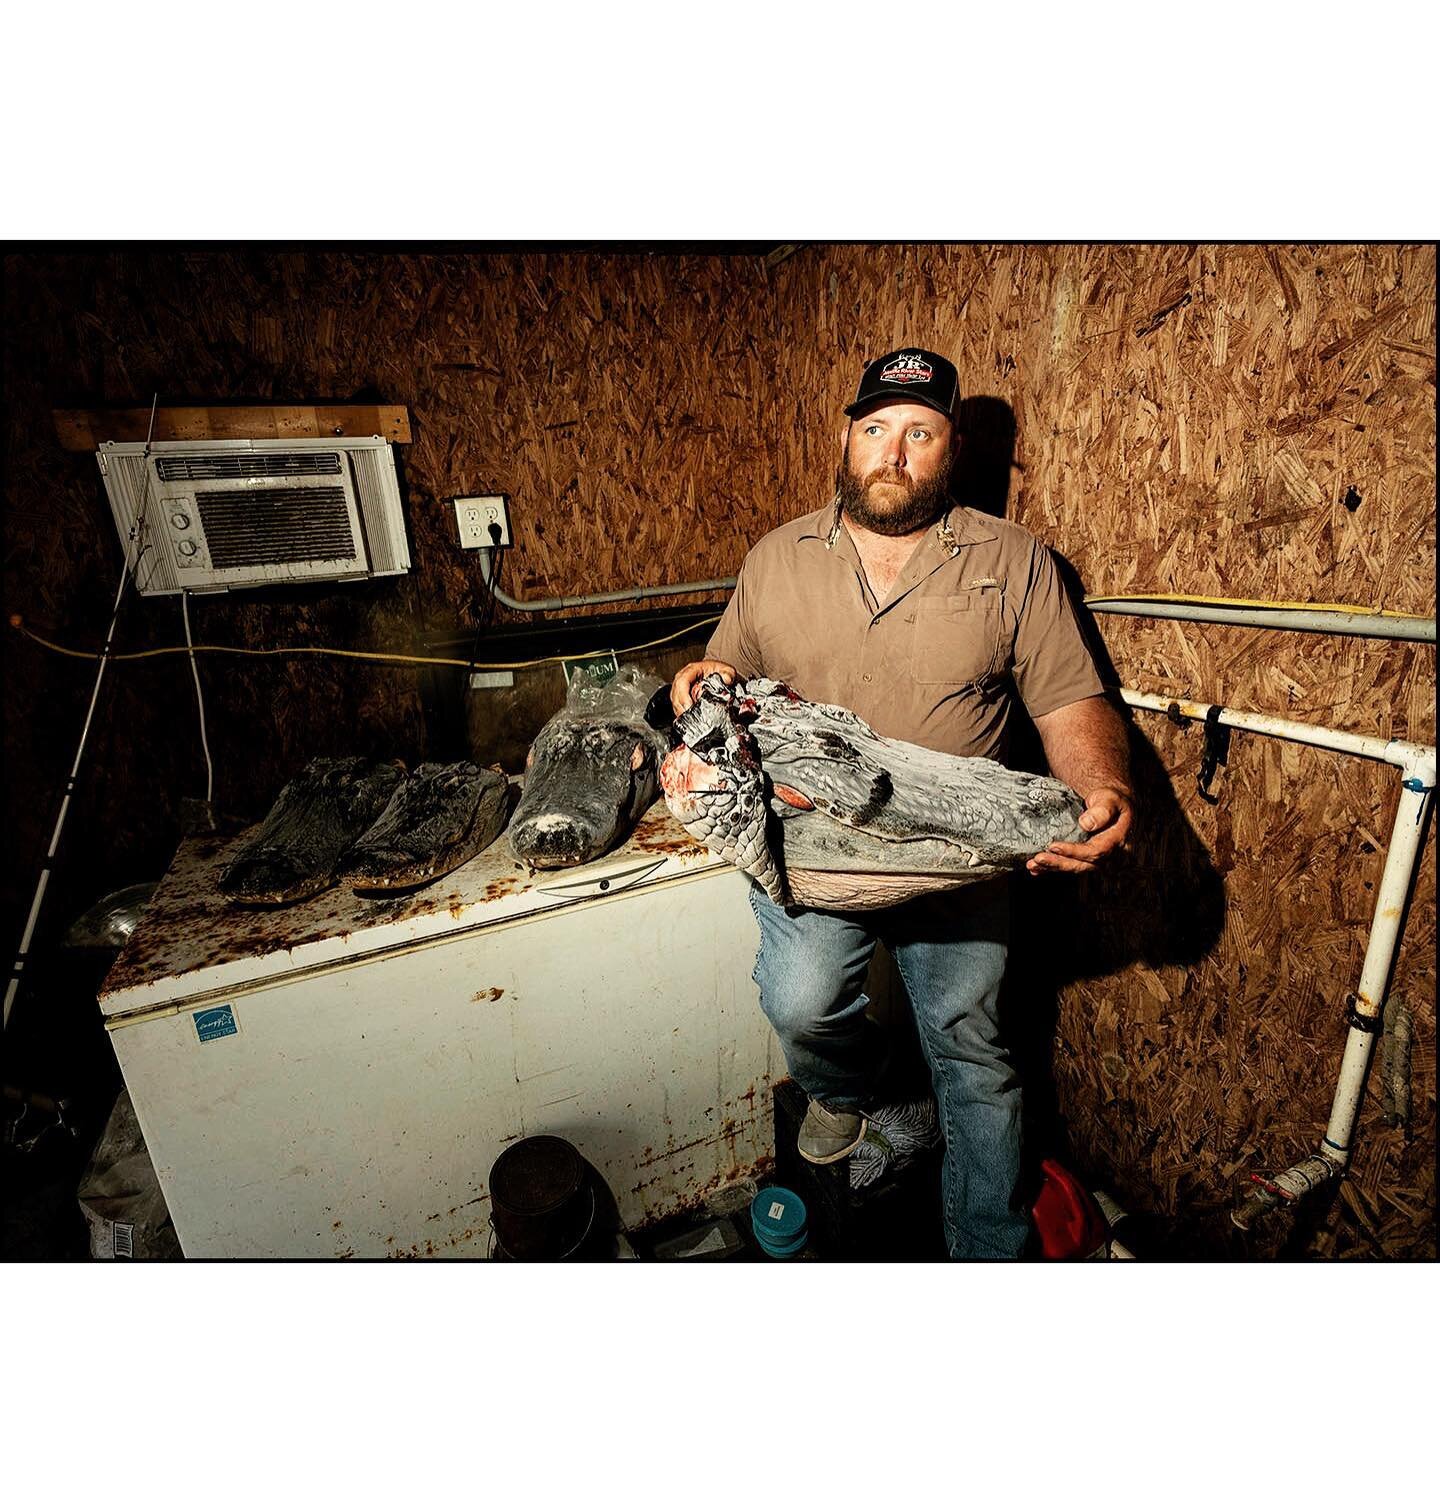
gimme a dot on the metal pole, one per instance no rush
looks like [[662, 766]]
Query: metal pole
[[614, 597], [18, 969], [1332, 622]]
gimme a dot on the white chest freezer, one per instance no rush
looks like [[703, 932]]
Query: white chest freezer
[[336, 1079]]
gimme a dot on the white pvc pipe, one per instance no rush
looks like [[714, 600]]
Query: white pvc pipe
[[1416, 763], [1410, 756], [614, 597], [1114, 1249], [1400, 862], [1333, 622]]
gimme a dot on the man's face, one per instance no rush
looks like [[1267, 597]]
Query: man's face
[[895, 469]]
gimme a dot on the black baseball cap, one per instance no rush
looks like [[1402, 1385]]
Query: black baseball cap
[[912, 375]]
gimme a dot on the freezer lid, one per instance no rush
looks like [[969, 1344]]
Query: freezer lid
[[193, 943]]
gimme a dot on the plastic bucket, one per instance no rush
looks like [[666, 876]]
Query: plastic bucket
[[779, 1221], [542, 1201]]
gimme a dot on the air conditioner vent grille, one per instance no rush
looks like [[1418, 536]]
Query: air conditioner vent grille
[[240, 466], [250, 528], [244, 513]]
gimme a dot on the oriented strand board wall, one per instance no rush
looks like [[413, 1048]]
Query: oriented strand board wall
[[1236, 421], [621, 400]]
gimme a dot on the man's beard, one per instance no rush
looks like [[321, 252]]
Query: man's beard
[[892, 518]]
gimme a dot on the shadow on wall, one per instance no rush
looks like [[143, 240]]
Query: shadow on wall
[[981, 477], [1161, 902]]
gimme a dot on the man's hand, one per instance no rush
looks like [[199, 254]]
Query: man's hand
[[1107, 817], [685, 686], [1086, 746]]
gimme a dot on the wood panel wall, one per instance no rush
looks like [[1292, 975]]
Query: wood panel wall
[[1241, 421]]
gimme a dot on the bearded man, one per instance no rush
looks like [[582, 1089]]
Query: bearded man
[[927, 619]]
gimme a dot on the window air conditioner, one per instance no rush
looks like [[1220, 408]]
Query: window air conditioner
[[229, 513]]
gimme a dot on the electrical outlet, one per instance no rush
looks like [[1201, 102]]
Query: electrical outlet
[[476, 514]]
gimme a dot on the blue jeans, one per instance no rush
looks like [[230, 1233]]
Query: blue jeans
[[950, 949]]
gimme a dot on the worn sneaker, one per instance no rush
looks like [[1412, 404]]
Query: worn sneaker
[[829, 1133]]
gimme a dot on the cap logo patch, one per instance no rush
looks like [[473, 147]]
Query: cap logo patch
[[906, 368]]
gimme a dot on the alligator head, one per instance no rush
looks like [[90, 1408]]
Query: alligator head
[[714, 784]]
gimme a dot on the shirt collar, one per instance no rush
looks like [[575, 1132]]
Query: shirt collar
[[966, 526]]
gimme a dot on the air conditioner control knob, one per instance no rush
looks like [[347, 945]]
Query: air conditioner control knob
[[186, 547], [179, 520]]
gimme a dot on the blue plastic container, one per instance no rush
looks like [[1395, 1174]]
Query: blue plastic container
[[779, 1221]]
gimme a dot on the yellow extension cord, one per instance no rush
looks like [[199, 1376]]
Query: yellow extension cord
[[445, 662], [535, 662]]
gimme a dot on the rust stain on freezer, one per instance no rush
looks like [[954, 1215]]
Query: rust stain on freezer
[[190, 925], [666, 845], [493, 993], [477, 1200], [431, 1248], [694, 1196], [727, 1133], [673, 1184], [658, 834]]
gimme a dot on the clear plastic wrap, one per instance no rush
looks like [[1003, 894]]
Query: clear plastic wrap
[[592, 770]]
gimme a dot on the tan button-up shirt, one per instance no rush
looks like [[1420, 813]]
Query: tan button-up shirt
[[936, 661]]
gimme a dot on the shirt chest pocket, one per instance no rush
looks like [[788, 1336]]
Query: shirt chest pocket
[[956, 637]]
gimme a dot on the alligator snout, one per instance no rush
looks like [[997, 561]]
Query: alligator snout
[[552, 839], [585, 786]]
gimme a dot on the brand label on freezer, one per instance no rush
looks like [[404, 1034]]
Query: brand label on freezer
[[215, 1022]]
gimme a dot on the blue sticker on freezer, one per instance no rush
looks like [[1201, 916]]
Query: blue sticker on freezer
[[215, 1022]]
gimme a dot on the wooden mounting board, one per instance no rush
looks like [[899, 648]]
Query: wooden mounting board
[[79, 430]]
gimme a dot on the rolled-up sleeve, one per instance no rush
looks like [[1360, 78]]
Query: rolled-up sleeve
[[1052, 665]]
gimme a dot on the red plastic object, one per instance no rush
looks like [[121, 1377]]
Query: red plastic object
[[1067, 1220]]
